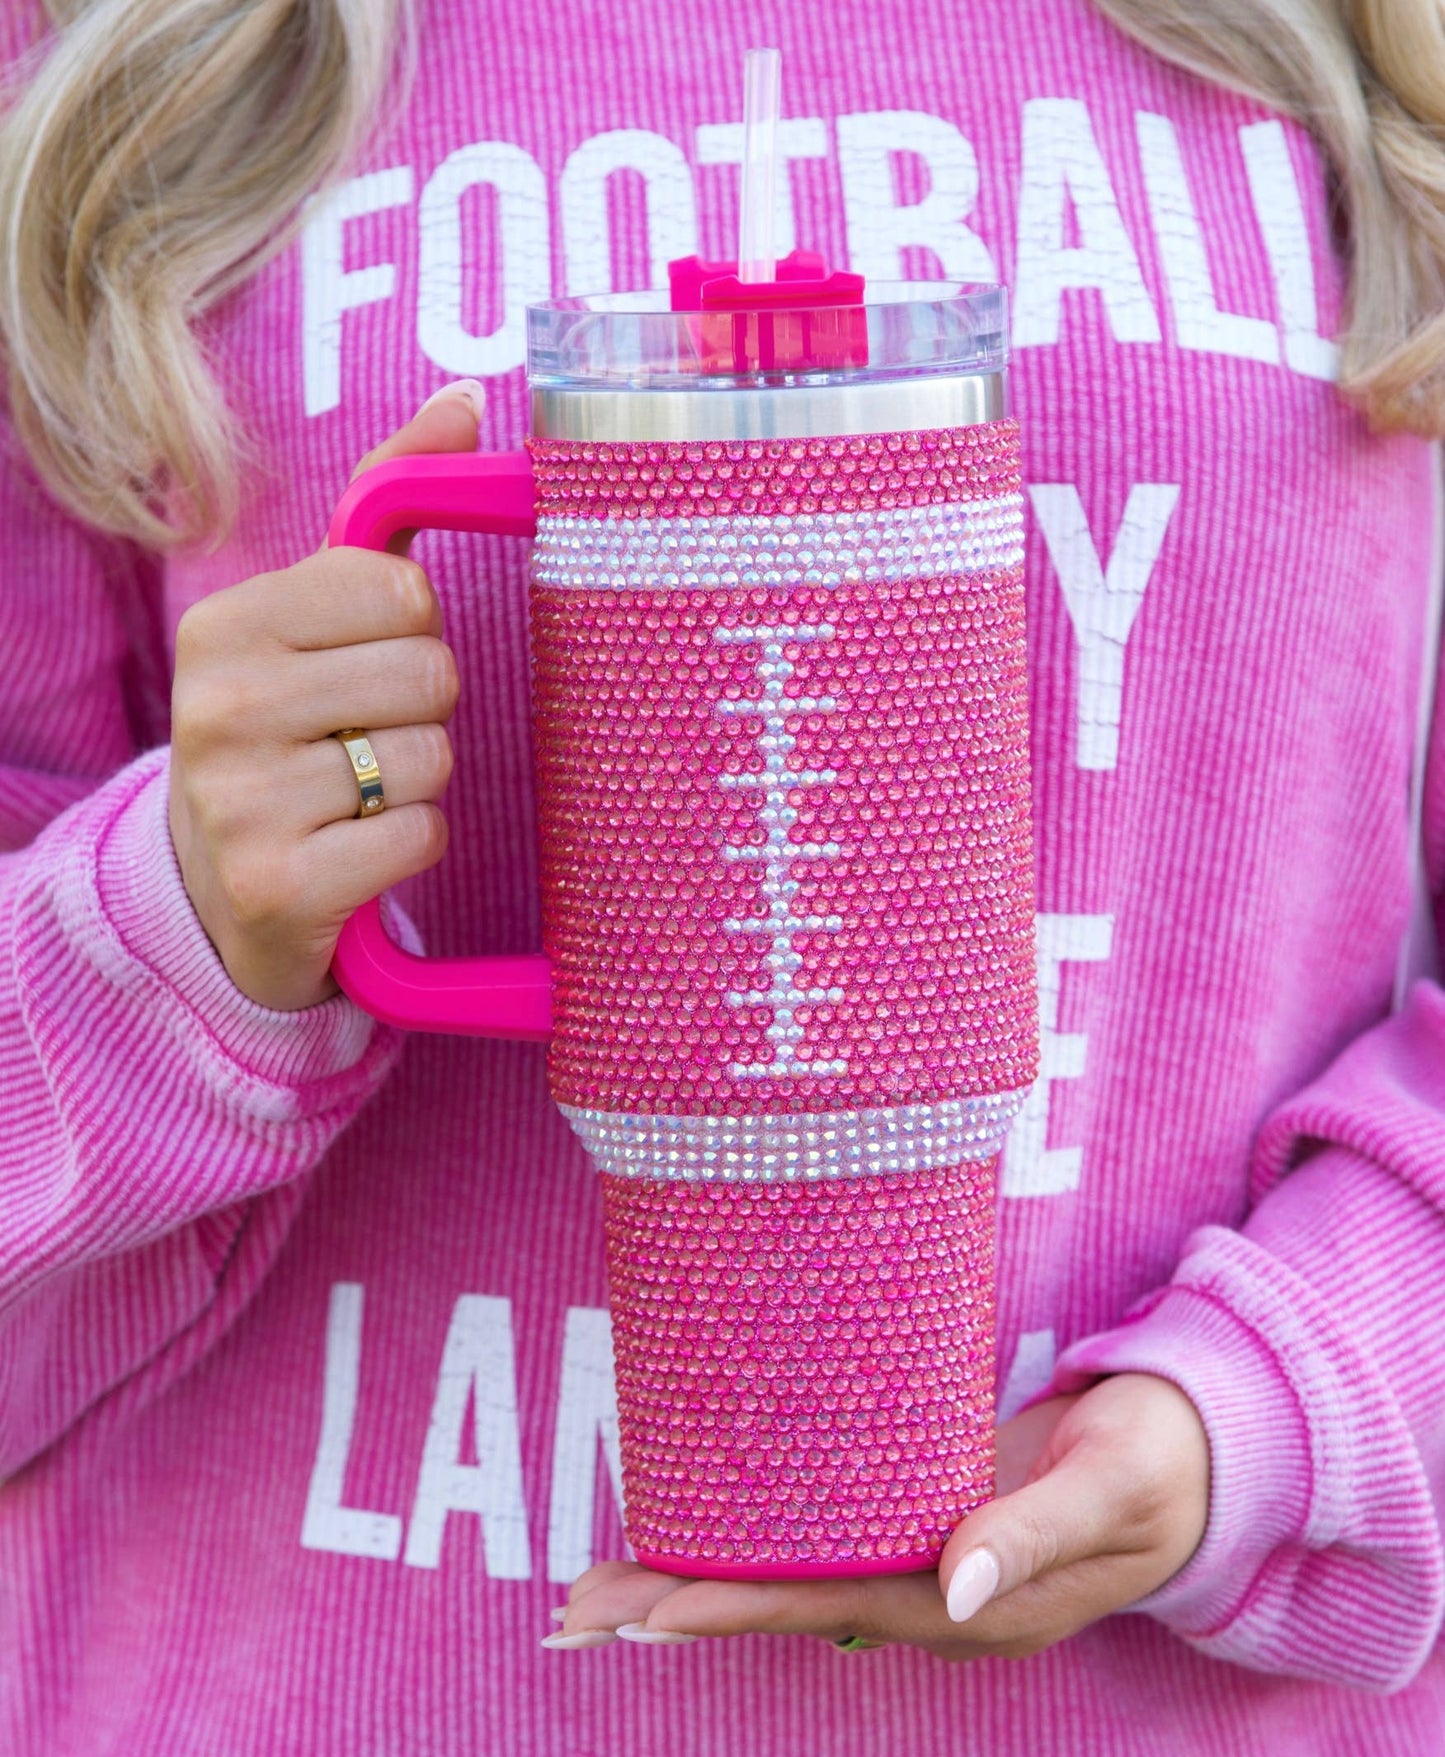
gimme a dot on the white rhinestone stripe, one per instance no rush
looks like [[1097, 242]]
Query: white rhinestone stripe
[[773, 786], [779, 549], [796, 1148]]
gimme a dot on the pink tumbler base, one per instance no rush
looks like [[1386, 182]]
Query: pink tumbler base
[[707, 1570], [804, 1370]]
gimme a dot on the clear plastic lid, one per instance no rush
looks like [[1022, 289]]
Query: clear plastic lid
[[635, 341]]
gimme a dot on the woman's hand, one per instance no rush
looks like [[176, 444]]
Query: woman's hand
[[262, 798], [1102, 1496]]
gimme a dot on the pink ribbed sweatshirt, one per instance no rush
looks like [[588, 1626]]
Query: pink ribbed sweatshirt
[[306, 1413]]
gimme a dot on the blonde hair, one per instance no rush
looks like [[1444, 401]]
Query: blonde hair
[[157, 157], [1367, 78], [162, 149]]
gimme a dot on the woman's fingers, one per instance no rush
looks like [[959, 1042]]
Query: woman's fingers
[[350, 863], [898, 1607], [600, 1573], [1056, 1605], [446, 421], [895, 1607], [449, 420], [1113, 1502], [615, 1594], [1022, 1442], [261, 805], [1066, 1516], [1124, 1473], [339, 598], [405, 682], [415, 764]]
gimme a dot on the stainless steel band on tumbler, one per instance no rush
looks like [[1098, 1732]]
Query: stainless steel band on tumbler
[[886, 406]]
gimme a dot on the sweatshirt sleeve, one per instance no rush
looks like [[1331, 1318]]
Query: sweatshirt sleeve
[[1312, 1342], [156, 1125]]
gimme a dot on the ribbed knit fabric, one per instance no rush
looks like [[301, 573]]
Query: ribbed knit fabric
[[305, 1406]]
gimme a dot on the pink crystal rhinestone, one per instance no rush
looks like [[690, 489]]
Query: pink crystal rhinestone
[[781, 716], [804, 1372], [960, 462]]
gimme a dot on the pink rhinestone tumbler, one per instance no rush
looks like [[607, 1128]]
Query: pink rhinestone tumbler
[[781, 716]]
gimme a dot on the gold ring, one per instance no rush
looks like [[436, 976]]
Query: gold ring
[[368, 776], [856, 1644]]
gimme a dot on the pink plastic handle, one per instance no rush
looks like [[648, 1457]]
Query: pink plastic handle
[[468, 997]]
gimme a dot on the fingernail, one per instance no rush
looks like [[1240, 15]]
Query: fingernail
[[468, 388], [588, 1638], [974, 1582], [558, 1613], [655, 1637]]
